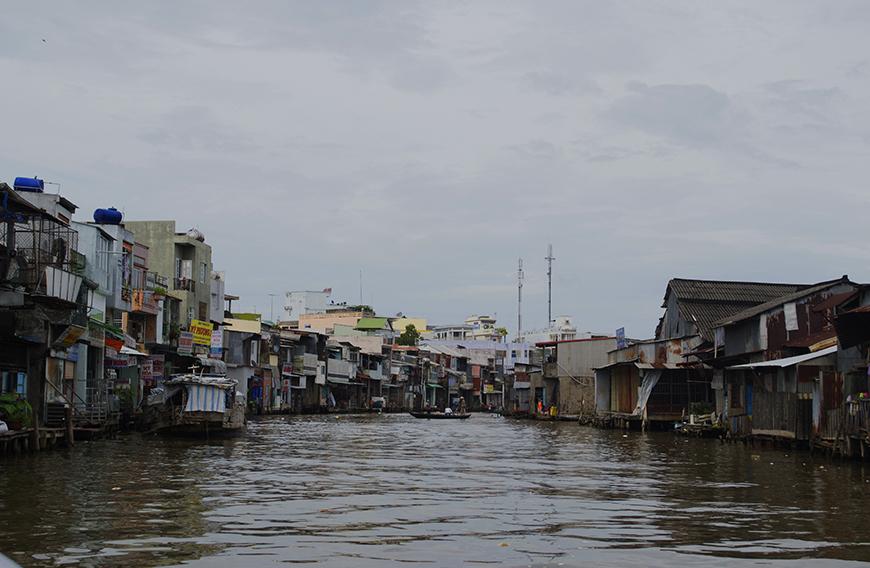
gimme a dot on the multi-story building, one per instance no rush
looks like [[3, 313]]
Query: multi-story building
[[327, 322], [561, 329], [187, 258], [301, 302], [218, 297], [482, 328], [448, 332], [476, 327], [95, 244], [43, 301]]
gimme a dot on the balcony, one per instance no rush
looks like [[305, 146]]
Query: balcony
[[155, 282], [39, 254], [187, 284], [306, 364], [145, 302], [340, 368]]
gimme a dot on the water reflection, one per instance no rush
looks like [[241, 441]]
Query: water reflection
[[393, 491]]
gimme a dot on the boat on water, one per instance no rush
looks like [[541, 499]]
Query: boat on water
[[195, 403], [440, 415]]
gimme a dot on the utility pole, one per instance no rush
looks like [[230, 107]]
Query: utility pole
[[272, 308], [550, 258], [520, 277], [360, 286]]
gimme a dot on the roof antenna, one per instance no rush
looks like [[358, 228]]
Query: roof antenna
[[550, 258], [520, 278]]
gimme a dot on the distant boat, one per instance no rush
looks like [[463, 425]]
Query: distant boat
[[440, 416], [195, 404]]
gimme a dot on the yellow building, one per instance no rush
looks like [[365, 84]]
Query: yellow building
[[400, 324], [325, 323]]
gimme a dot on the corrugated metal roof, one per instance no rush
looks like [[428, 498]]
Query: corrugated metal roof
[[728, 291], [788, 361], [706, 302], [761, 308]]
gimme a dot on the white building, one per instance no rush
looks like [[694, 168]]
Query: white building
[[478, 328], [301, 302], [562, 329], [482, 328], [218, 295]]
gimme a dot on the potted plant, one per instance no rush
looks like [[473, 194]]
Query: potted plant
[[15, 411]]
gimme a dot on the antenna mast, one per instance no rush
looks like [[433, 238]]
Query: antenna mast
[[550, 258], [520, 277]]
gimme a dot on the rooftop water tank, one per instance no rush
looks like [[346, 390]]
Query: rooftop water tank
[[196, 234], [110, 216], [33, 184]]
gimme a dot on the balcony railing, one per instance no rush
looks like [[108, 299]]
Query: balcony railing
[[155, 281], [38, 253], [184, 284], [145, 301]]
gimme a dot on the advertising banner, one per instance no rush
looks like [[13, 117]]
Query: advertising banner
[[217, 343], [185, 343], [202, 331]]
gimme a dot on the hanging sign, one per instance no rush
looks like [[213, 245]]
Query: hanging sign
[[201, 331], [185, 343]]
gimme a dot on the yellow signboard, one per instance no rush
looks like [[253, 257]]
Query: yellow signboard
[[488, 389], [201, 331]]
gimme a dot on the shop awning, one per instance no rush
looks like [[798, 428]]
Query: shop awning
[[338, 380], [130, 351], [788, 361]]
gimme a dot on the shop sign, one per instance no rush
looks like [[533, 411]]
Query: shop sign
[[217, 343], [185, 343], [157, 366], [202, 332]]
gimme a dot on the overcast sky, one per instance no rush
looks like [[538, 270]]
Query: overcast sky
[[432, 144]]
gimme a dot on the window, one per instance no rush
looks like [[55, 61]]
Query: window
[[203, 311], [203, 268], [103, 253], [178, 268]]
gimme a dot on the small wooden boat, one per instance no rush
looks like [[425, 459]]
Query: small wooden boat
[[440, 416]]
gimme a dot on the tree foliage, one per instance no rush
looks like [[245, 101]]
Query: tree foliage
[[410, 336]]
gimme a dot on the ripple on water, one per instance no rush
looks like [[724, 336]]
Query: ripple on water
[[393, 491]]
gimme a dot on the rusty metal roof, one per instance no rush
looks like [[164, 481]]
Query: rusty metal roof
[[797, 295], [706, 302], [728, 291]]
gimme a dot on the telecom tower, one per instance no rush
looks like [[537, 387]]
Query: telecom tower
[[520, 277], [550, 258]]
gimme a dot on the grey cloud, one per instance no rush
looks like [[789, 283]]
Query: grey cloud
[[685, 114], [557, 84], [431, 144]]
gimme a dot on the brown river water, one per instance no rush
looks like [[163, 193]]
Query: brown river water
[[389, 491]]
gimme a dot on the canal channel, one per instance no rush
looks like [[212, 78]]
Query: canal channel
[[374, 491]]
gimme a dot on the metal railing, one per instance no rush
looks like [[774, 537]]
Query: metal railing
[[38, 243], [184, 284], [95, 409]]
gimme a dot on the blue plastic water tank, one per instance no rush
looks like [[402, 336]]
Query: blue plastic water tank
[[110, 216], [29, 184]]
